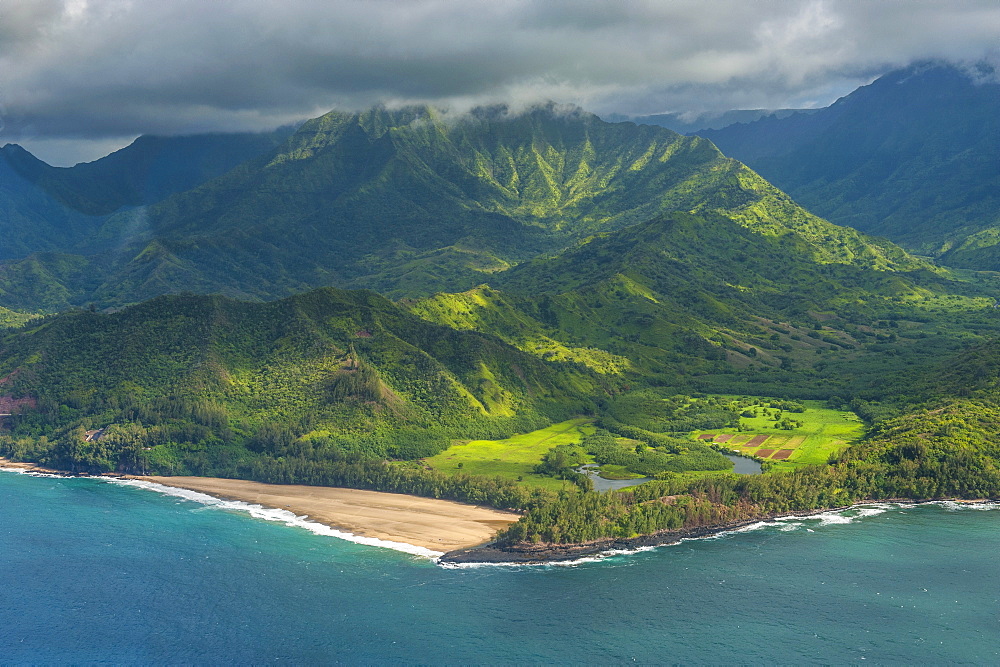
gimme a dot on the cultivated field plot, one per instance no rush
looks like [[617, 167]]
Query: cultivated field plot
[[823, 432], [513, 458]]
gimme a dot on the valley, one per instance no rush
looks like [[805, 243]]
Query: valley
[[472, 307]]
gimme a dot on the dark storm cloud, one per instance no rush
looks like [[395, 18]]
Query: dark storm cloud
[[96, 69]]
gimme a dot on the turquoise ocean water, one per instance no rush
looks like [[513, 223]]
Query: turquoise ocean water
[[97, 572]]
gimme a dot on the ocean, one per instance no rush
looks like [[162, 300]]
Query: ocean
[[94, 571]]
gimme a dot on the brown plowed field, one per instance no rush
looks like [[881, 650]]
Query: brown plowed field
[[722, 437], [764, 453], [782, 455], [706, 436], [757, 440]]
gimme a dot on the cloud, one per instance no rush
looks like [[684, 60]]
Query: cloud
[[96, 69]]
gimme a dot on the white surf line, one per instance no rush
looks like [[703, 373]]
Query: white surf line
[[277, 515], [782, 523], [35, 473]]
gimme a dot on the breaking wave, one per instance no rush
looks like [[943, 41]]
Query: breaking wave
[[278, 516]]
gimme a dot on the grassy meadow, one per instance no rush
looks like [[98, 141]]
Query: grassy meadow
[[515, 457], [822, 432]]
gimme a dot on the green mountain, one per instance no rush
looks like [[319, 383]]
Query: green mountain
[[31, 220], [415, 201], [62, 209], [146, 171], [203, 378], [682, 298], [911, 157]]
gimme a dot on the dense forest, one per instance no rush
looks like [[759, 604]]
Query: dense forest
[[197, 384]]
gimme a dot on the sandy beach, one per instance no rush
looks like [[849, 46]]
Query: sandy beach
[[32, 467], [7, 463], [440, 525]]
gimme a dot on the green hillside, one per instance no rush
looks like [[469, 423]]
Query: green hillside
[[207, 381], [692, 302], [12, 318]]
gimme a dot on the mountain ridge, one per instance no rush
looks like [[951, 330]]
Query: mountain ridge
[[414, 201], [911, 157]]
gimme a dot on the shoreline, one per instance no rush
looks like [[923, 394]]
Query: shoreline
[[452, 533], [568, 554], [391, 520], [7, 464], [412, 524], [541, 554]]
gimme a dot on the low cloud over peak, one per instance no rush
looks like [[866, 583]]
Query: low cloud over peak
[[94, 70]]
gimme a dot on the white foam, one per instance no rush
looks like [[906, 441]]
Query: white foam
[[849, 515], [954, 506], [783, 523], [593, 558], [277, 515], [34, 473]]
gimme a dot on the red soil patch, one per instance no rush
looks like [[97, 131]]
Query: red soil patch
[[722, 438], [706, 436], [757, 440], [10, 405], [782, 455], [764, 453], [364, 333]]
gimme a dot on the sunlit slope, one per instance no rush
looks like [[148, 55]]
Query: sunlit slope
[[684, 293], [344, 365]]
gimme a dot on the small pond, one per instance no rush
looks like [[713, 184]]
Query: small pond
[[601, 484], [744, 464]]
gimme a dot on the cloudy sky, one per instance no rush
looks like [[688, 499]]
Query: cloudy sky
[[79, 78]]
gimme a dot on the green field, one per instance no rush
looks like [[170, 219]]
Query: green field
[[823, 432], [513, 458]]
